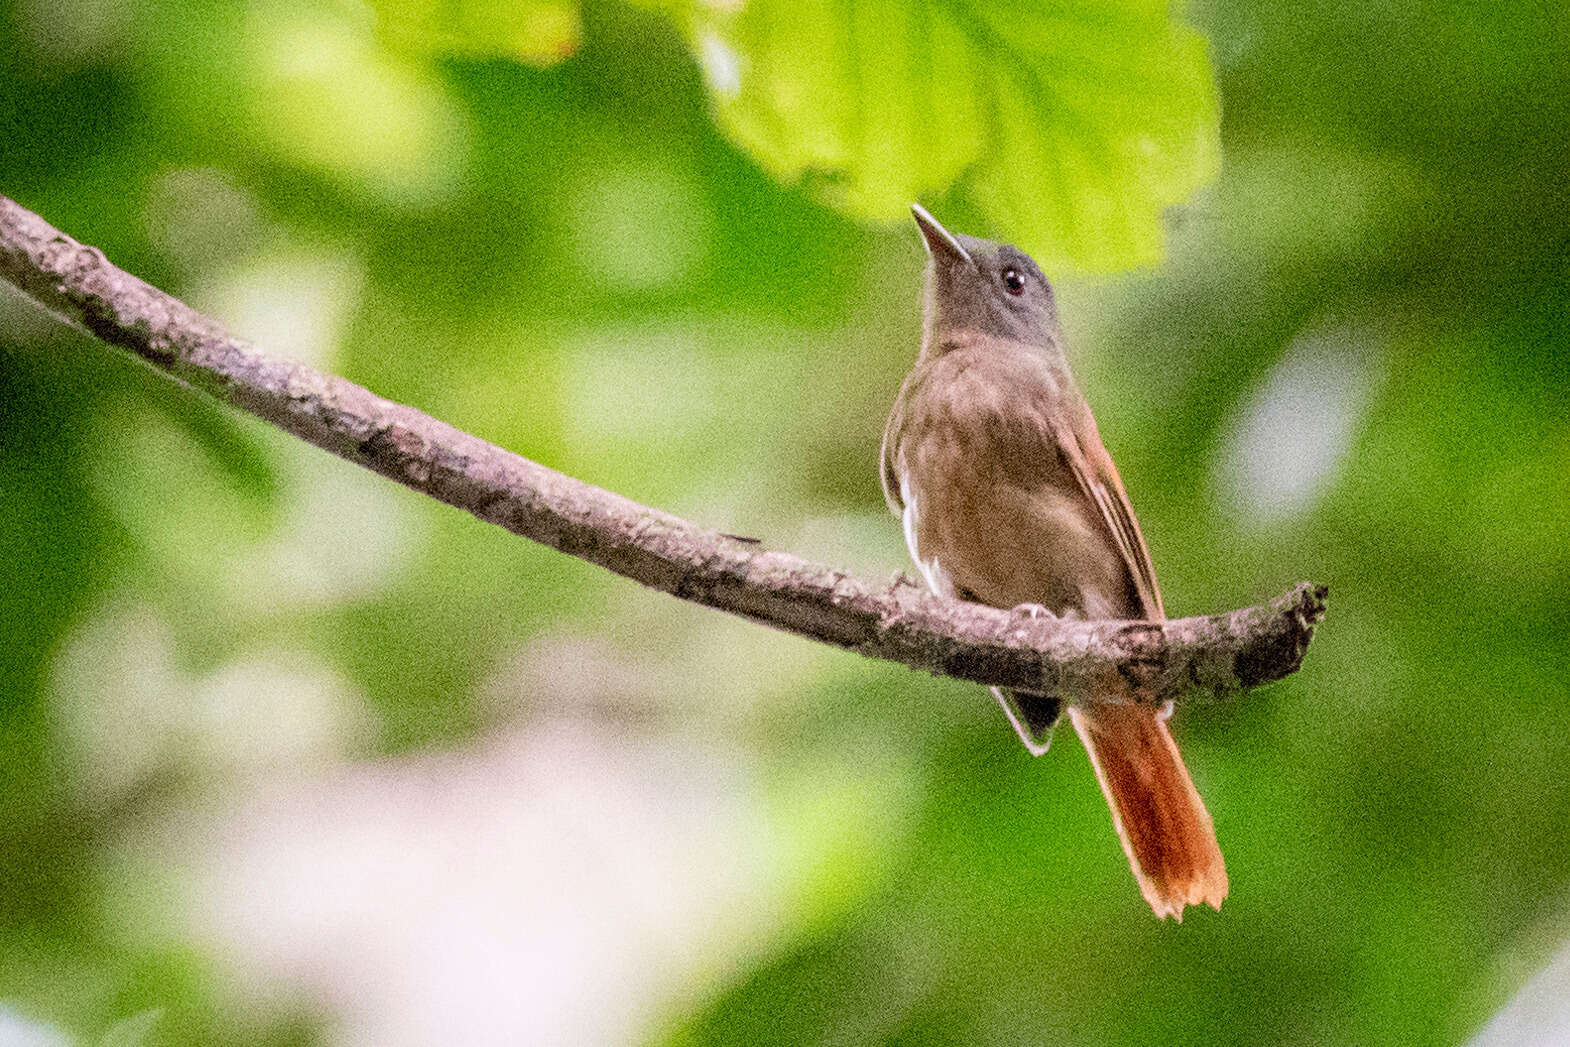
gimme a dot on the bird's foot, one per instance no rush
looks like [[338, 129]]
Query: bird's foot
[[1031, 610]]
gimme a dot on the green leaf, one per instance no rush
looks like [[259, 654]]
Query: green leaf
[[539, 32], [1069, 126]]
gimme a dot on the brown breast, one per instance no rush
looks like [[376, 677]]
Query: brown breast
[[993, 502]]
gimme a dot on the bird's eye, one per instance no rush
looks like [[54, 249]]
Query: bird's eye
[[1013, 281]]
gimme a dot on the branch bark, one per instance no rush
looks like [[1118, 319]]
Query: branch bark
[[1123, 661]]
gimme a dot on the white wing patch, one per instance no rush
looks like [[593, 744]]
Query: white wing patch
[[937, 578], [939, 582]]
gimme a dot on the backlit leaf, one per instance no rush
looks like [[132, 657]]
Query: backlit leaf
[[1069, 126]]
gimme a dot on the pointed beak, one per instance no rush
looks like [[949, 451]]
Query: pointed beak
[[940, 242]]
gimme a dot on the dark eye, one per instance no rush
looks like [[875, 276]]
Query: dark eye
[[1013, 281]]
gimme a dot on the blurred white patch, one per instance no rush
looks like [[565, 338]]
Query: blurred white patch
[[1538, 1016], [584, 675], [200, 219], [1294, 434], [73, 33], [135, 1031], [865, 544], [343, 535], [334, 533], [273, 712], [130, 713], [638, 388], [296, 301], [653, 663], [17, 1031], [120, 697], [638, 226], [556, 889], [578, 881], [721, 64]]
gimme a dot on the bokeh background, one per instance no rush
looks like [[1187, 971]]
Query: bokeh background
[[289, 755]]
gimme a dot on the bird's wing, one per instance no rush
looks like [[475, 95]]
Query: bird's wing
[[1098, 477]]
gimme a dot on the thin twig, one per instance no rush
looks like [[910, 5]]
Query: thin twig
[[1148, 661]]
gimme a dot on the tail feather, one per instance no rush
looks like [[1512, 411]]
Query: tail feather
[[1166, 831]]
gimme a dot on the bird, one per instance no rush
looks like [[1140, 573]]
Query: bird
[[992, 461]]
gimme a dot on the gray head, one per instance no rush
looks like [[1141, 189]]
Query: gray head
[[977, 285]]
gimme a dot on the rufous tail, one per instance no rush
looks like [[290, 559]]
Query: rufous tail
[[1165, 829]]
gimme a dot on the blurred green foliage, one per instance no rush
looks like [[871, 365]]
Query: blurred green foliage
[[1351, 367], [535, 31]]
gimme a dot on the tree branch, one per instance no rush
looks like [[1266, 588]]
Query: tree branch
[[1122, 661]]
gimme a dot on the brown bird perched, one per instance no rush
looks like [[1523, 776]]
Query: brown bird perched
[[992, 459]]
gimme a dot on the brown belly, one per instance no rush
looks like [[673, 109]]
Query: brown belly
[[1004, 544], [997, 509]]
